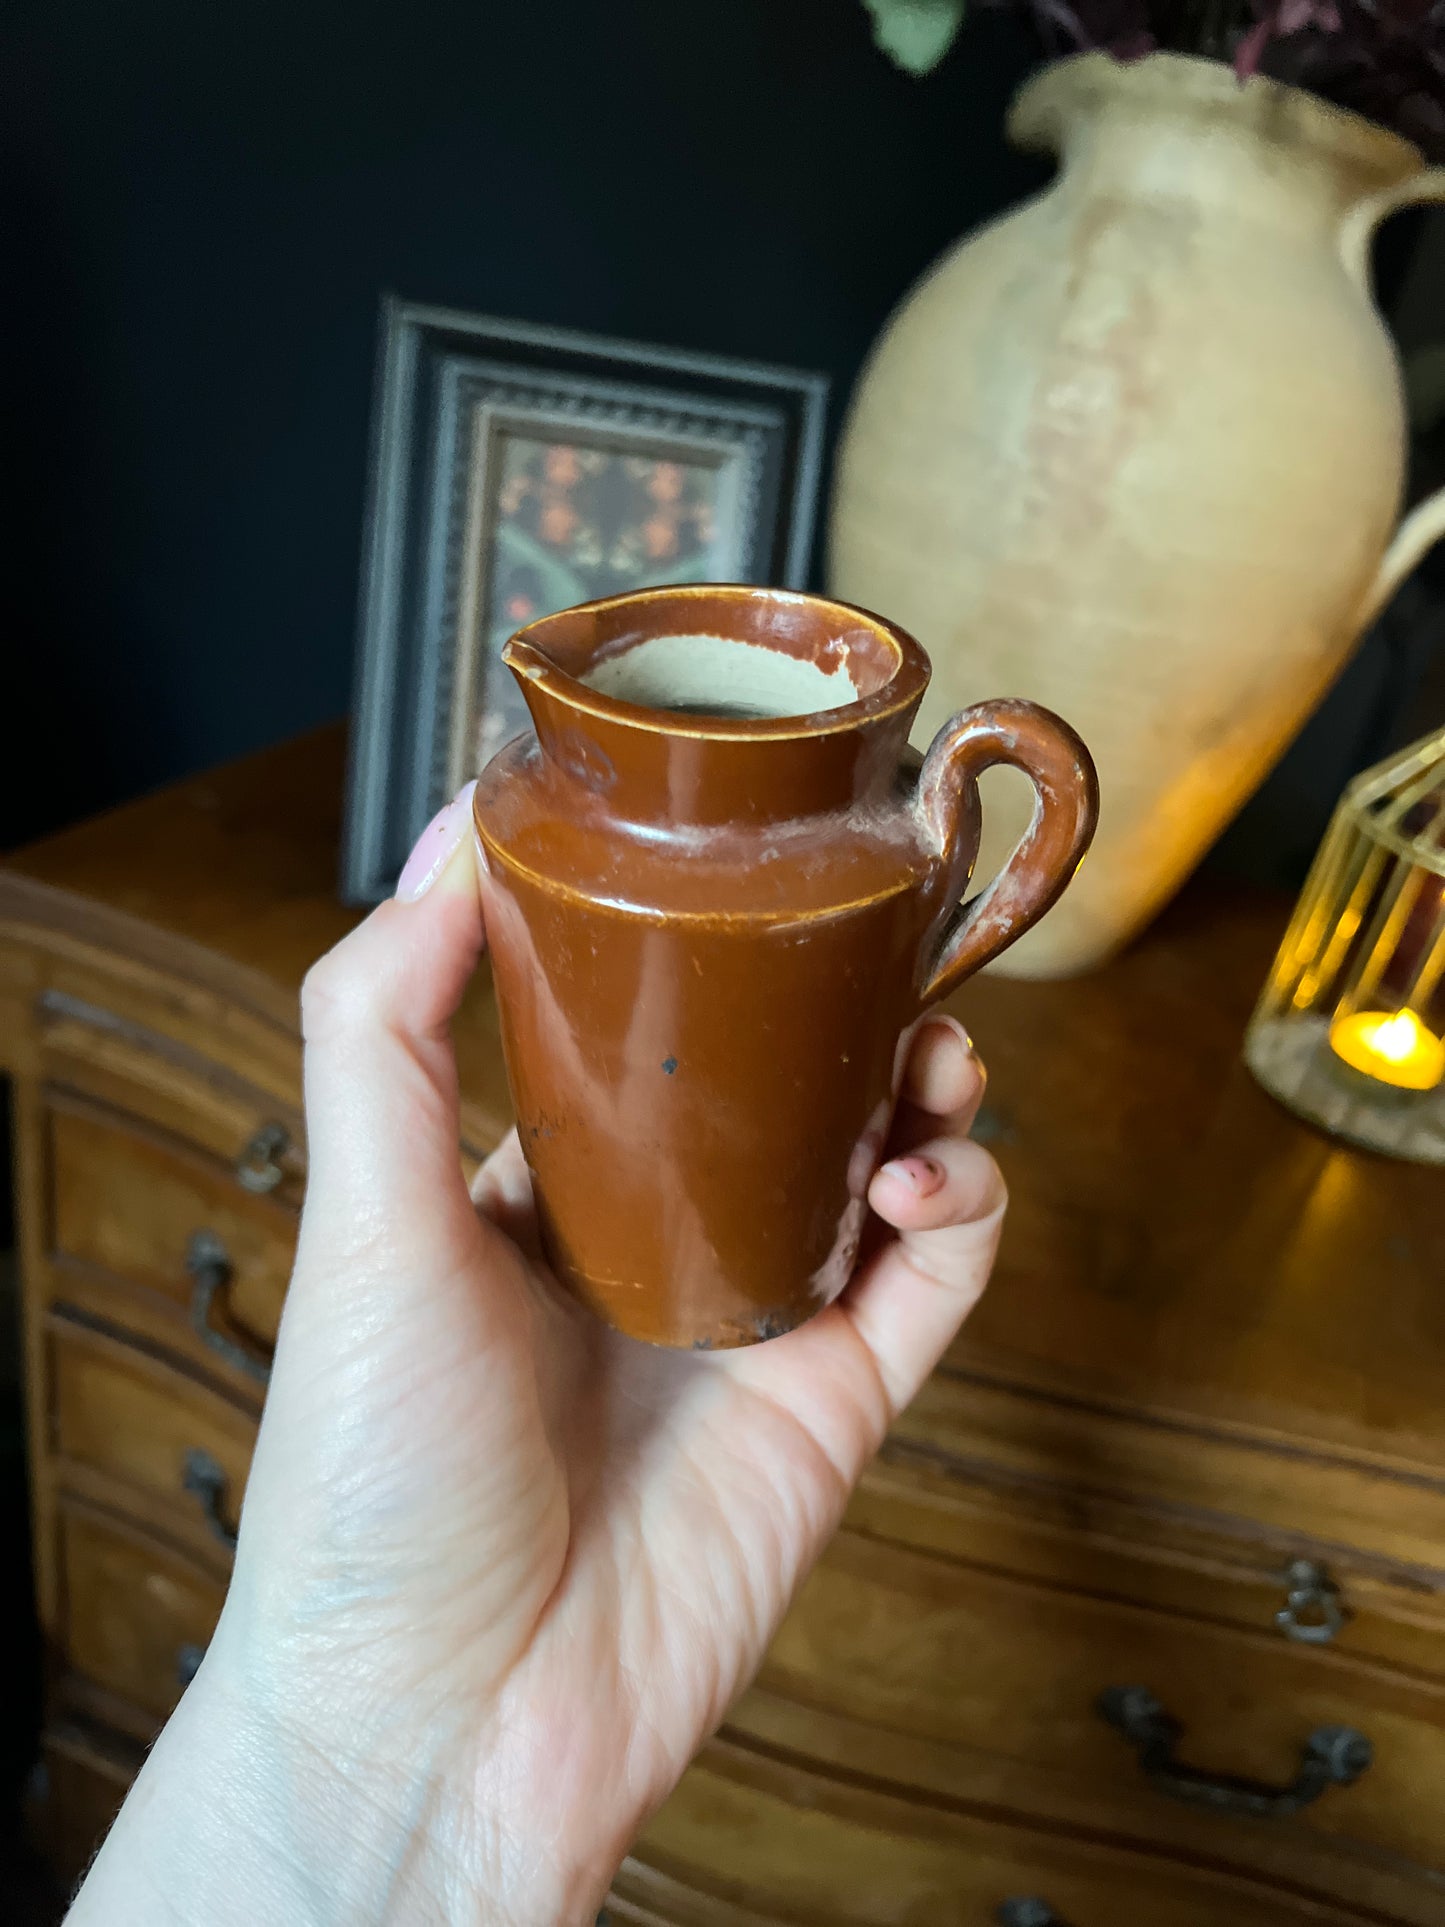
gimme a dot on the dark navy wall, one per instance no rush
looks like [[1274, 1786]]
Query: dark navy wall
[[210, 200], [204, 203]]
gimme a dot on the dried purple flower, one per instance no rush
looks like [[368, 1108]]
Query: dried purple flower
[[1277, 22], [1383, 58]]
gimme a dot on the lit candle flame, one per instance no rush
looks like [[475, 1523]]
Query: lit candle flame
[[1396, 1048]]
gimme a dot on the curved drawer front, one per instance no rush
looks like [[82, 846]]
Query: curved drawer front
[[1064, 1533], [86, 1777], [138, 1615], [172, 1449], [751, 1838], [999, 1668], [146, 1209], [87, 1047]]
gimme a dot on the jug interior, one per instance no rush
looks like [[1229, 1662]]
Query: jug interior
[[720, 676]]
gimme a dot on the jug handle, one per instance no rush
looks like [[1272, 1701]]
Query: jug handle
[[1066, 808], [1425, 524]]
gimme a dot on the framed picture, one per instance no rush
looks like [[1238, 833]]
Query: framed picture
[[516, 470]]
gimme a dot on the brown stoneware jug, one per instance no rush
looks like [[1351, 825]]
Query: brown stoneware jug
[[720, 892]]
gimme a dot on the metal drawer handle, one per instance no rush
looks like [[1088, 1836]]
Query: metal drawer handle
[[1313, 1611], [203, 1477], [1028, 1912], [1333, 1756], [259, 1168], [209, 1265], [188, 1662]]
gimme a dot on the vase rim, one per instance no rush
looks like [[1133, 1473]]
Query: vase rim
[[1274, 109]]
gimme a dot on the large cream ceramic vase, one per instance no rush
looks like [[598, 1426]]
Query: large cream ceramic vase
[[1137, 451]]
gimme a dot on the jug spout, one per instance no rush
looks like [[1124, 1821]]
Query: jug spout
[[1181, 135], [708, 705]]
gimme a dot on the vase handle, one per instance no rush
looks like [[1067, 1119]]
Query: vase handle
[[1423, 527], [1066, 808]]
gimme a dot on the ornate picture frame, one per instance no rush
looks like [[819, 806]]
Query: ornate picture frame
[[518, 469]]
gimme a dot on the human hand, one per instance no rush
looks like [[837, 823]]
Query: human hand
[[501, 1570]]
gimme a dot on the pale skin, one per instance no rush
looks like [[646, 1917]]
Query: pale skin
[[501, 1571]]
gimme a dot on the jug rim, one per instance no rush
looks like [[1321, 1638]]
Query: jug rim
[[602, 630], [1273, 109]]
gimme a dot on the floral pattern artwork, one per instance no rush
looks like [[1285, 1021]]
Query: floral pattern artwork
[[574, 521]]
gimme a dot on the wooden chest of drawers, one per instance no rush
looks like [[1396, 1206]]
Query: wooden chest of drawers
[[1192, 1445]]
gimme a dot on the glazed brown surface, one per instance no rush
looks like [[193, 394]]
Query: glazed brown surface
[[711, 936]]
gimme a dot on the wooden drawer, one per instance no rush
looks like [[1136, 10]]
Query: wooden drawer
[[1224, 1569], [1152, 1476], [138, 1615], [90, 1049], [212, 1016], [84, 1777], [134, 1431], [748, 1839], [205, 1262], [1002, 1677]]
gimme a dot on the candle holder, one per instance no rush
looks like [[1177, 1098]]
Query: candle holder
[[1350, 1031]]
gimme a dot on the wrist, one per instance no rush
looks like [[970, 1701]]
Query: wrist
[[249, 1812]]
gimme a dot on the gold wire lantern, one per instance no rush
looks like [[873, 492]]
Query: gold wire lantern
[[1350, 1031]]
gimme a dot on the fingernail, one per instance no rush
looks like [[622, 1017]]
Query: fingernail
[[922, 1175], [952, 1023], [435, 847]]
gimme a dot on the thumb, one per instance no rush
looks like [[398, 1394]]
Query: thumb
[[382, 1112]]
